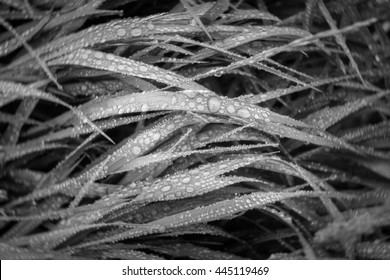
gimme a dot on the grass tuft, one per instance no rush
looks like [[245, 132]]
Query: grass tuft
[[194, 129]]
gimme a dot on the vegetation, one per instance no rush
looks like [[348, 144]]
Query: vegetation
[[194, 129]]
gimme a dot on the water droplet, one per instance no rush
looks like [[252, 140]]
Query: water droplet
[[144, 107], [168, 77], [110, 57], [230, 109], [174, 100], [136, 32], [166, 188], [136, 150], [186, 180], [243, 113], [121, 32], [150, 26], [214, 104], [149, 195], [143, 68]]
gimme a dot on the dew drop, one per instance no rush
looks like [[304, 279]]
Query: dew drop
[[136, 32], [121, 32], [214, 104], [143, 68], [166, 188], [230, 109], [144, 107], [149, 195], [186, 180], [150, 26], [110, 56], [203, 138], [168, 77], [174, 100], [136, 150], [98, 55], [156, 137], [243, 113]]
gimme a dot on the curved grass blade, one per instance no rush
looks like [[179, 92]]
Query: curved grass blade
[[13, 91], [117, 64], [217, 211], [41, 63]]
